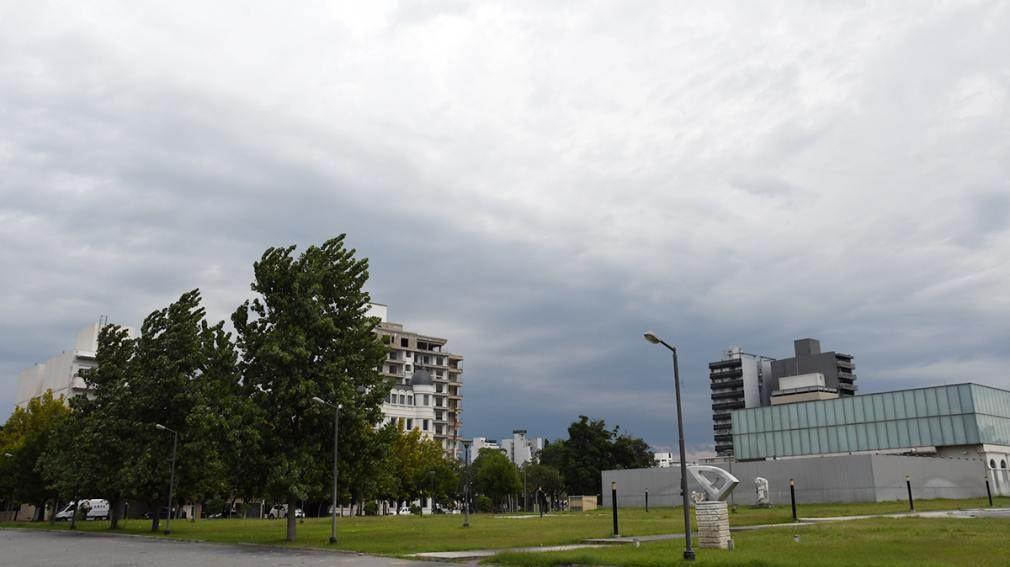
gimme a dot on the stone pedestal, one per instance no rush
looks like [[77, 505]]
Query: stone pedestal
[[713, 524]]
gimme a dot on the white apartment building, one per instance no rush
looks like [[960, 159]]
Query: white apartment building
[[61, 373], [427, 382]]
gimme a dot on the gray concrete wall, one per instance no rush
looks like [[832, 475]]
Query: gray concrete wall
[[846, 478]]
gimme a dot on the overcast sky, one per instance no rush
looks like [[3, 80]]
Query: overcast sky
[[538, 182]]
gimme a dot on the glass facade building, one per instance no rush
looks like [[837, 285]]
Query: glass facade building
[[960, 414]]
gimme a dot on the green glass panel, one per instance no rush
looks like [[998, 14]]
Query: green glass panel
[[878, 408], [899, 405], [914, 437], [909, 398], [903, 438], [920, 403], [957, 423], [862, 444], [954, 399], [892, 435], [942, 403], [965, 393], [794, 418], [859, 405], [931, 406]]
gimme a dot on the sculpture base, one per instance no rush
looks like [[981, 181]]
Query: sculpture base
[[713, 524]]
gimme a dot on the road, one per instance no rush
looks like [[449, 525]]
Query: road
[[28, 548]]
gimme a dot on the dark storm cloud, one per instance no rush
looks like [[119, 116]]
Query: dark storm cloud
[[537, 184]]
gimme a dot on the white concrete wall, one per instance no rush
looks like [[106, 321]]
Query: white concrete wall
[[848, 478]]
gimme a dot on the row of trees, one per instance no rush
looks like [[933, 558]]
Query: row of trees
[[242, 406], [242, 403]]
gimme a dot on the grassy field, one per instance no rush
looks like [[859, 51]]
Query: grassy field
[[901, 542], [398, 535]]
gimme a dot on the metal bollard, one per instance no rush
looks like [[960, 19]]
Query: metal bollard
[[613, 502], [792, 497], [908, 485]]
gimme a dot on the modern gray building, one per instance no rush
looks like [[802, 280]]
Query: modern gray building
[[742, 380]]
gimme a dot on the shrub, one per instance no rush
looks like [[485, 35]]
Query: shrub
[[483, 504], [371, 508], [415, 510]]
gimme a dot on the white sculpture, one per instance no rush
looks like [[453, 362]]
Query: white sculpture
[[712, 515], [761, 487], [719, 486]]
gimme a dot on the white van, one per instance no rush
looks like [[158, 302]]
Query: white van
[[92, 508]]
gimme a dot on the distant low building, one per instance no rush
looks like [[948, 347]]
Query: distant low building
[[520, 449], [664, 460]]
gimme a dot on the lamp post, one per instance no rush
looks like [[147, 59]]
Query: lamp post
[[432, 475], [10, 456], [336, 430], [466, 484], [171, 482], [688, 552]]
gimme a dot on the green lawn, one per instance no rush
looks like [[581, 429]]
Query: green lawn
[[908, 541], [398, 535]]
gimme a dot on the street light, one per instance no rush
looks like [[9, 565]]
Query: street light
[[432, 475], [10, 456], [466, 485], [336, 429], [688, 552], [171, 482]]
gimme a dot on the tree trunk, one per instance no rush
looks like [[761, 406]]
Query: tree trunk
[[155, 516], [115, 512], [292, 524], [197, 511], [56, 508]]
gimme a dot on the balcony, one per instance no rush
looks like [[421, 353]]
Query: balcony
[[727, 384], [728, 405], [727, 394], [732, 373], [726, 364]]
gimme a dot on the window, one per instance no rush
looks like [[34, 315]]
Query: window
[[410, 423], [404, 342], [403, 399], [992, 463], [410, 400], [427, 401], [1002, 463], [425, 425]]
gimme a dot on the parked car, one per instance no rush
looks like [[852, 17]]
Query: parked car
[[91, 508], [405, 511], [281, 511]]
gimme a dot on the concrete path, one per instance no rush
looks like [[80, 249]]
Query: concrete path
[[31, 548], [482, 553]]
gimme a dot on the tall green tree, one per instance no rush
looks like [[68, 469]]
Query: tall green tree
[[28, 434], [306, 334], [590, 449], [98, 440], [495, 476]]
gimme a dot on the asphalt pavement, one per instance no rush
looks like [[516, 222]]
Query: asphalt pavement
[[29, 548]]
